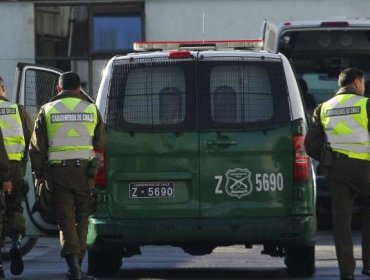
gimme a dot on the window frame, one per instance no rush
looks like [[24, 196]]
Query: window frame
[[114, 9], [93, 9], [188, 123]]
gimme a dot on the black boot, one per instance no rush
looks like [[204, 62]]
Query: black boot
[[74, 269], [16, 262], [74, 272], [85, 275]]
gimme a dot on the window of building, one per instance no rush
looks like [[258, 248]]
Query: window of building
[[113, 33], [82, 36]]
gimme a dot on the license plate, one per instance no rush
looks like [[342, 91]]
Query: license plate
[[152, 190]]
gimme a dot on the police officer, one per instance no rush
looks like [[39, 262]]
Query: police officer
[[68, 131], [6, 185], [340, 140], [17, 128], [4, 165]]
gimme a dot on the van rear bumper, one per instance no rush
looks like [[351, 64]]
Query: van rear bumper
[[107, 234]]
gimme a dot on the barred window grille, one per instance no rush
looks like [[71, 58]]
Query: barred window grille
[[218, 92], [155, 96], [240, 93], [40, 88], [152, 94]]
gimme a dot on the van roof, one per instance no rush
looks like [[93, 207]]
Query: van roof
[[206, 53], [335, 22]]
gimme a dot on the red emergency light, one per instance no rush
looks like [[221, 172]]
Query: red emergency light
[[179, 54], [334, 24]]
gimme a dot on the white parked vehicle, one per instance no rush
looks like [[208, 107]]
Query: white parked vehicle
[[318, 51]]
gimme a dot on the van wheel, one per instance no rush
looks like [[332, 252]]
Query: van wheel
[[102, 264], [300, 260]]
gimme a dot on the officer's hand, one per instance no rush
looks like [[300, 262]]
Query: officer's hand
[[38, 181], [7, 187]]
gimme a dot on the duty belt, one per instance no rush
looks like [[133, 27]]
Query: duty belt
[[74, 162], [337, 155]]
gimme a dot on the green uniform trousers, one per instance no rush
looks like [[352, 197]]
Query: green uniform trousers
[[71, 199], [12, 221], [350, 178]]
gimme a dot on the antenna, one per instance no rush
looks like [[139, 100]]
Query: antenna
[[203, 27]]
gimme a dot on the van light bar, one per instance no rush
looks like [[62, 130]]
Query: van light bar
[[220, 44]]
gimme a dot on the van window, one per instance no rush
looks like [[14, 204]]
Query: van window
[[41, 86], [155, 95], [321, 85], [319, 54], [151, 97], [242, 94], [323, 40], [167, 96]]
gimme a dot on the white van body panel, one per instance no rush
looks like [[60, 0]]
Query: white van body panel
[[297, 111]]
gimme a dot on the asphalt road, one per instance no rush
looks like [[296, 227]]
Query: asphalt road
[[164, 262]]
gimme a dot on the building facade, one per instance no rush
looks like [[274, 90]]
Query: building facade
[[82, 35]]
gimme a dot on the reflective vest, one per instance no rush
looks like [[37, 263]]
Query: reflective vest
[[11, 125], [70, 124], [345, 121]]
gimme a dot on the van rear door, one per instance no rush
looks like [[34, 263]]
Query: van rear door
[[246, 150], [152, 142], [35, 85], [269, 36]]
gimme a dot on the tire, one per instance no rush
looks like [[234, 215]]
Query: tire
[[102, 264], [26, 246], [300, 260]]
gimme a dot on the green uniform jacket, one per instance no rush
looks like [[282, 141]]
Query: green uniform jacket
[[39, 140], [4, 162]]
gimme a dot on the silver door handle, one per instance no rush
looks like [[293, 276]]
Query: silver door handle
[[218, 142]]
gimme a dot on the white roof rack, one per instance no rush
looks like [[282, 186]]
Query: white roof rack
[[198, 45]]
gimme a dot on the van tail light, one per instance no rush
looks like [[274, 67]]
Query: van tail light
[[301, 160], [334, 24], [179, 54], [101, 178]]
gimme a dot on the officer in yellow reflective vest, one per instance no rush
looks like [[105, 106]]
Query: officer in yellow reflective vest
[[4, 167], [5, 183], [16, 127], [341, 129], [68, 134]]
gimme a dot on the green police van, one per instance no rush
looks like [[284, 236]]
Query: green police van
[[204, 149]]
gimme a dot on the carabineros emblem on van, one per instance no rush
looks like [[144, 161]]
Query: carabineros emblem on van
[[238, 182]]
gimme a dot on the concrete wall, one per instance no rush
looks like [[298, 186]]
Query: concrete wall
[[17, 43], [236, 19], [176, 20]]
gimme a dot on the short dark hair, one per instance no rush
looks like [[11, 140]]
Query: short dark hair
[[347, 76], [69, 81], [1, 80]]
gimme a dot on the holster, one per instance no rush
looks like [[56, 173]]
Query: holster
[[2, 202], [48, 182], [327, 158], [92, 170], [44, 198]]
